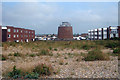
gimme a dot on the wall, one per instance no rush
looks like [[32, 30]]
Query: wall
[[0, 34], [65, 33]]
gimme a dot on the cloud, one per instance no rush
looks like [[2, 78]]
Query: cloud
[[45, 17]]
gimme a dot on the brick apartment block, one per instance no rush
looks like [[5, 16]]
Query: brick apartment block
[[0, 34], [11, 34], [104, 33]]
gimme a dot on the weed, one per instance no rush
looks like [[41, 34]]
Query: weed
[[43, 69], [32, 55], [9, 54], [61, 62], [44, 52], [55, 49], [32, 75], [96, 55], [16, 73], [111, 45], [17, 54], [65, 57], [66, 63], [117, 50], [4, 57], [50, 48]]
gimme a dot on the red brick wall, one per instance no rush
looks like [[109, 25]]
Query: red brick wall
[[119, 31], [65, 33], [20, 34], [0, 34]]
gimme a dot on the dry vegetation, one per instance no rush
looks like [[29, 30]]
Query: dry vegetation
[[50, 58]]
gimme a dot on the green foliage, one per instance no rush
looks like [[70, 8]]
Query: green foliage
[[32, 76], [32, 55], [3, 57], [16, 73], [96, 55], [44, 52], [55, 49], [10, 54], [50, 48], [17, 54], [65, 57], [112, 45], [43, 69], [117, 50]]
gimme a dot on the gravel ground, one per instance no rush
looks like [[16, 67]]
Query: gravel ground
[[94, 69], [73, 68]]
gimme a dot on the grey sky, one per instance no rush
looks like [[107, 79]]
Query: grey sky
[[45, 17]]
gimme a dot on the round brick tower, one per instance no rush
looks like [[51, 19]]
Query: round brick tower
[[65, 31]]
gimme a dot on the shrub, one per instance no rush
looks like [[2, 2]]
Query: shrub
[[111, 44], [17, 54], [65, 57], [96, 55], [43, 69], [32, 75], [4, 57], [44, 52], [16, 73], [32, 55], [50, 48], [86, 47], [61, 62], [117, 50], [55, 49], [10, 54]]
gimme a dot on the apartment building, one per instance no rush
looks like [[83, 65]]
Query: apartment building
[[11, 34], [0, 34], [104, 33]]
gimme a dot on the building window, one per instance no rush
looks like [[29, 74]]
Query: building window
[[17, 35], [17, 30], [14, 30], [9, 36], [8, 30], [26, 31], [21, 35], [21, 31], [14, 36]]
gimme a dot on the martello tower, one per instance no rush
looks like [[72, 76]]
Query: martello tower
[[65, 31]]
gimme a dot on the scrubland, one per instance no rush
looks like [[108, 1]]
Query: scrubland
[[61, 59]]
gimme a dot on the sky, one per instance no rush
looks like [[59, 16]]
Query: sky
[[45, 17]]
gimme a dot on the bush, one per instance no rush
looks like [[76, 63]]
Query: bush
[[86, 47], [117, 50], [111, 45], [3, 57], [10, 54], [16, 73], [55, 49], [44, 52], [32, 55], [50, 48], [96, 55], [43, 69], [32, 76], [17, 54]]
